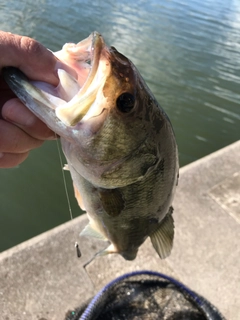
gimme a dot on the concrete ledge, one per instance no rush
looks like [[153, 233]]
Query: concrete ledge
[[42, 278]]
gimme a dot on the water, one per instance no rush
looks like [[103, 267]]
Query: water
[[188, 51]]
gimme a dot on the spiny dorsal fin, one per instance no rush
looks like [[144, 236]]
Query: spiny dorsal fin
[[162, 238], [89, 231]]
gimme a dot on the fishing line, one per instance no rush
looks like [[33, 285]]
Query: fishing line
[[66, 191], [64, 178], [78, 251]]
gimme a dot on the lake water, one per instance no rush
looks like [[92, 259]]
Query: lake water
[[188, 51]]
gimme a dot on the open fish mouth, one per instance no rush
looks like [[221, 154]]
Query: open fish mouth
[[88, 59]]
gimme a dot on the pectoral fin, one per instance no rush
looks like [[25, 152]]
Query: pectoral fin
[[162, 238], [112, 201]]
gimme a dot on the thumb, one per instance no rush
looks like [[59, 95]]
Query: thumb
[[31, 57]]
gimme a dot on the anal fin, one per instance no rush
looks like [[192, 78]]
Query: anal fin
[[162, 238]]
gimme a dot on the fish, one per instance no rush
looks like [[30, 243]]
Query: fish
[[119, 144]]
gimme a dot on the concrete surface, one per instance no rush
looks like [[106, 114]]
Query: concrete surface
[[42, 278]]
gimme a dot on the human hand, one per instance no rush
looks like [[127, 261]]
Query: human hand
[[21, 130]]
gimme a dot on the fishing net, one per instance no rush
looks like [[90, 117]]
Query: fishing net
[[146, 295]]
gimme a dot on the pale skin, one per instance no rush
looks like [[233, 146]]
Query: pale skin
[[20, 130]]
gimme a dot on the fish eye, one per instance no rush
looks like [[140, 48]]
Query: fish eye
[[125, 102]]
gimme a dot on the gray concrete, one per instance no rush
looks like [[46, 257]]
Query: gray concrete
[[42, 278]]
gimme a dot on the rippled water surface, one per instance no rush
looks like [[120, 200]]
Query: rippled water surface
[[188, 52]]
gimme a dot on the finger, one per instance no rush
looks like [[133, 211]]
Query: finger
[[30, 56], [14, 111], [5, 94], [15, 140], [9, 160]]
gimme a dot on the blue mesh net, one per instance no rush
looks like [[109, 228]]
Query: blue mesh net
[[146, 295]]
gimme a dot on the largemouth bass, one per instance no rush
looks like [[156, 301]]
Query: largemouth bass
[[119, 144]]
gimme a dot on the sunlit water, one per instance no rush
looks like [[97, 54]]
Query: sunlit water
[[187, 51]]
